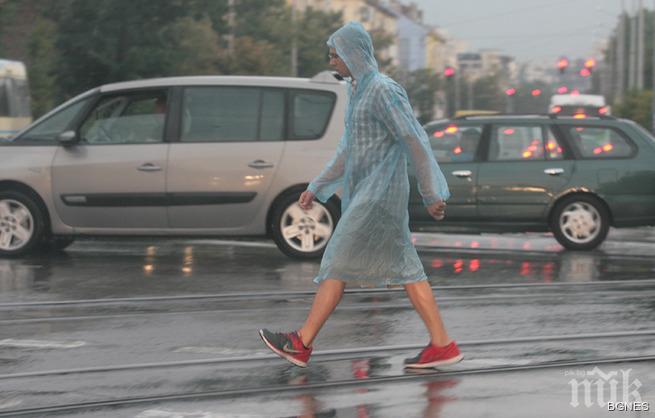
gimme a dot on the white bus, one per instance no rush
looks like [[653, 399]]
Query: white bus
[[578, 105], [15, 109]]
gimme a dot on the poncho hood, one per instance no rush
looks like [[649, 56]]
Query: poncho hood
[[355, 47]]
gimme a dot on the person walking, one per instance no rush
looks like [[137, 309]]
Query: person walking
[[371, 245]]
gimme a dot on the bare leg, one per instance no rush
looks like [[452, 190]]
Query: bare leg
[[420, 293], [327, 298]]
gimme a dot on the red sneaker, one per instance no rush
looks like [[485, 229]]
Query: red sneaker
[[287, 345], [433, 356]]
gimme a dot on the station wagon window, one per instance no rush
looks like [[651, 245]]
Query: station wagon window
[[136, 118], [523, 143], [232, 114], [455, 143], [599, 142], [310, 113]]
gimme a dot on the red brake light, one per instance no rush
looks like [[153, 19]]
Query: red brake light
[[603, 110], [556, 109]]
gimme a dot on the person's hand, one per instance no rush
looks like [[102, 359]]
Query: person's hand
[[437, 210], [306, 199]]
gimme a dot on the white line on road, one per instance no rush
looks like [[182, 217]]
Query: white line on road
[[40, 344]]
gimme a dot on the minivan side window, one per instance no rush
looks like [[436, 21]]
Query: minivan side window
[[599, 142], [232, 114], [134, 118], [310, 113], [455, 143]]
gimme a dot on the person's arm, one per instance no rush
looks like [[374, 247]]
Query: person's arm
[[330, 179], [395, 112]]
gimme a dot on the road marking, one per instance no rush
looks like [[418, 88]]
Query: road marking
[[10, 342], [163, 413], [10, 403]]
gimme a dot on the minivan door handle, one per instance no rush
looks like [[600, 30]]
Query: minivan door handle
[[462, 173], [260, 164], [554, 171], [149, 167]]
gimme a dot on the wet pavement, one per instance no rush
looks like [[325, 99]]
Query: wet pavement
[[168, 328]]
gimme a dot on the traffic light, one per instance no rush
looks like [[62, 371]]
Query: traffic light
[[562, 90], [589, 64], [449, 71], [562, 64], [510, 91], [585, 72], [536, 92]]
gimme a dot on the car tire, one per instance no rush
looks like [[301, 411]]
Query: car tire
[[22, 223], [580, 222], [303, 234]]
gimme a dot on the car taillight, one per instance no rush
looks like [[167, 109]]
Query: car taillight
[[603, 110], [556, 109]]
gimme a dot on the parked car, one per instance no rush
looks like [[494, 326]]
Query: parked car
[[574, 177], [175, 156]]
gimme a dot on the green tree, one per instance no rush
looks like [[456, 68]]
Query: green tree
[[313, 29], [102, 42], [42, 68], [636, 105], [422, 86]]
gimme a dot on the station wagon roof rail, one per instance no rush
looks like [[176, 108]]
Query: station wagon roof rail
[[529, 116]]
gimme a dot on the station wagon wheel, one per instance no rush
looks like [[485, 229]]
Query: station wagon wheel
[[580, 222], [303, 233], [21, 223]]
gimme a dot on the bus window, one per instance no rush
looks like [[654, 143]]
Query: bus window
[[15, 112]]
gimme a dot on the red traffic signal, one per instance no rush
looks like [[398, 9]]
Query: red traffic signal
[[510, 91], [585, 72], [449, 71], [562, 90], [536, 92]]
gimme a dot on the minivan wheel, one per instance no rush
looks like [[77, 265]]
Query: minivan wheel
[[580, 222], [22, 223], [302, 233]]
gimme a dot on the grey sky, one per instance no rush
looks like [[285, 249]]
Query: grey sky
[[541, 30]]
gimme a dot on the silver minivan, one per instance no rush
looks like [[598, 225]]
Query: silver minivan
[[194, 156]]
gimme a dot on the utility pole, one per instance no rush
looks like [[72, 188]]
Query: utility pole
[[294, 44], [620, 57], [470, 94], [652, 109], [640, 48], [230, 24], [632, 61]]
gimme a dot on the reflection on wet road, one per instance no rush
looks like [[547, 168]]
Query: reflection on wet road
[[174, 321]]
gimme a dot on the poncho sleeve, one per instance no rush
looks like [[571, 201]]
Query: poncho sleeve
[[394, 111], [331, 178]]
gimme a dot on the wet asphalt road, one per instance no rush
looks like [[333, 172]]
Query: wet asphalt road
[[128, 321]]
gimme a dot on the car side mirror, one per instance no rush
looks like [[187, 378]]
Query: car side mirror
[[67, 138]]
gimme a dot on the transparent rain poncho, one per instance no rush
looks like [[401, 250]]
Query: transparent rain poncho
[[371, 245]]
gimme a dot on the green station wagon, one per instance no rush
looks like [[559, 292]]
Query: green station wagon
[[574, 177]]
